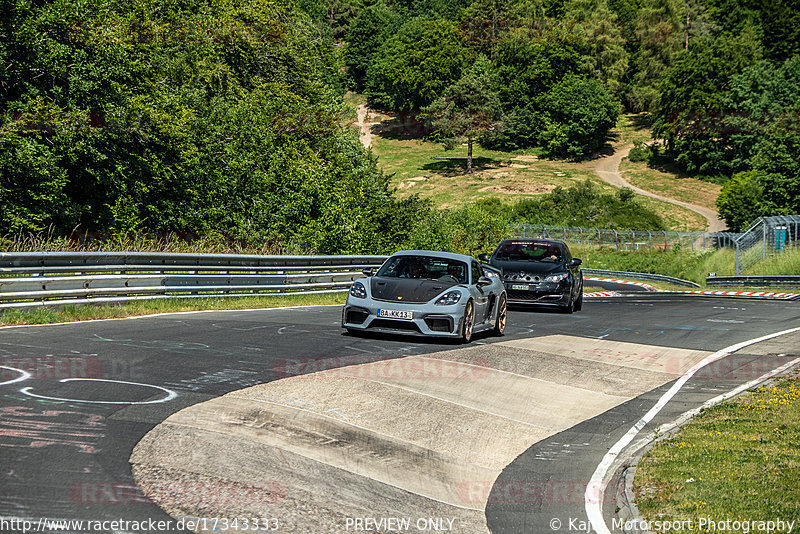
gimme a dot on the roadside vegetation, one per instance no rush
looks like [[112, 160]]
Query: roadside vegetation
[[737, 460], [84, 312], [231, 118]]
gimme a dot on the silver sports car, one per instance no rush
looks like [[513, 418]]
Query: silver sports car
[[427, 293]]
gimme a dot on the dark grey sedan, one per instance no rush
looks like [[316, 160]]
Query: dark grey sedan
[[539, 271]]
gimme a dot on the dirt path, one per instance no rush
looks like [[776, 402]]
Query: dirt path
[[364, 127], [608, 169]]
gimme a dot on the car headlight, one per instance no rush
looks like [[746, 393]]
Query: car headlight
[[448, 299], [556, 277], [358, 290]]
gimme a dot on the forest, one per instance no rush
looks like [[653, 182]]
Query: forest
[[228, 117]]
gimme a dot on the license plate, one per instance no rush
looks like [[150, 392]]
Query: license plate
[[396, 314], [520, 286]]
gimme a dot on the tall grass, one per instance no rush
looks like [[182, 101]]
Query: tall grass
[[137, 242], [785, 263]]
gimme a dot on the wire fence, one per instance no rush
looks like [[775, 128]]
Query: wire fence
[[766, 237], [627, 239]]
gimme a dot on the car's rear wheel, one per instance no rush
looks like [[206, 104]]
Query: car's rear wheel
[[502, 315], [467, 323]]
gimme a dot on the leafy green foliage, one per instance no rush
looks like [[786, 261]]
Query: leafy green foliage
[[220, 118], [370, 29], [416, 65], [581, 112], [585, 206]]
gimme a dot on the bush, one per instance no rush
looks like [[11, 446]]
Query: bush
[[640, 153]]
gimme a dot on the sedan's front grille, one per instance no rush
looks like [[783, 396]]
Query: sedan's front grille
[[516, 294]]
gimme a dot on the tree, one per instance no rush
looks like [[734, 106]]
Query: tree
[[598, 38], [741, 200], [580, 114], [467, 108], [526, 68], [659, 31], [416, 65], [365, 35]]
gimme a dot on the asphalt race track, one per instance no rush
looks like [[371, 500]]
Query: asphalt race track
[[552, 396]]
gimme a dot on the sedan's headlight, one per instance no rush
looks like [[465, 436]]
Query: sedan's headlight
[[556, 277], [358, 290], [448, 299]]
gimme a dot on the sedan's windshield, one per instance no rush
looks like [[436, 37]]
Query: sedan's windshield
[[425, 267], [529, 251]]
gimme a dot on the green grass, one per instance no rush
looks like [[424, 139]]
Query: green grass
[[427, 169], [671, 185], [785, 263], [739, 459], [632, 129], [85, 312]]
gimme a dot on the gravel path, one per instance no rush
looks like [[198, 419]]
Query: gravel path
[[608, 169]]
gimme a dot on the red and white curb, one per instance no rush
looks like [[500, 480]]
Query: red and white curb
[[619, 281], [648, 287], [752, 294]]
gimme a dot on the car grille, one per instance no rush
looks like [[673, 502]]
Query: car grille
[[394, 325], [516, 294]]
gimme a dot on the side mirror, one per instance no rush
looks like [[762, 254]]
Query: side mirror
[[369, 271], [484, 281], [575, 262], [483, 257]]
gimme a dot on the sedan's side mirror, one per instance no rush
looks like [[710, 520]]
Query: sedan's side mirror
[[369, 271], [484, 281], [575, 262], [484, 257]]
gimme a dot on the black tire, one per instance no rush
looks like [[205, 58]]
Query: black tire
[[468, 323], [502, 315], [579, 303], [569, 307]]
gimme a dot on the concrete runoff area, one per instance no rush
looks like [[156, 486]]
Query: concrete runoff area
[[400, 438]]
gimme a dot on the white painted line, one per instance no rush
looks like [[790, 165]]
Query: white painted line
[[170, 394], [24, 375], [170, 313], [595, 489]]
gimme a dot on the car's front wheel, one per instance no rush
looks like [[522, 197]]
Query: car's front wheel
[[569, 307], [502, 315], [467, 323], [579, 303]]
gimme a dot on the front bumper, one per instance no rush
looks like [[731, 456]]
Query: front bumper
[[443, 321], [537, 293]]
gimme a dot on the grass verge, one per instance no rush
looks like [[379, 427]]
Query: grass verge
[[737, 460], [83, 312]]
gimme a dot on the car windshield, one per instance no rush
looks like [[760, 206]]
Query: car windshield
[[529, 251], [426, 268]]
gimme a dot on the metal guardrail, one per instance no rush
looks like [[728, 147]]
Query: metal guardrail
[[57, 278], [754, 281], [647, 277]]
